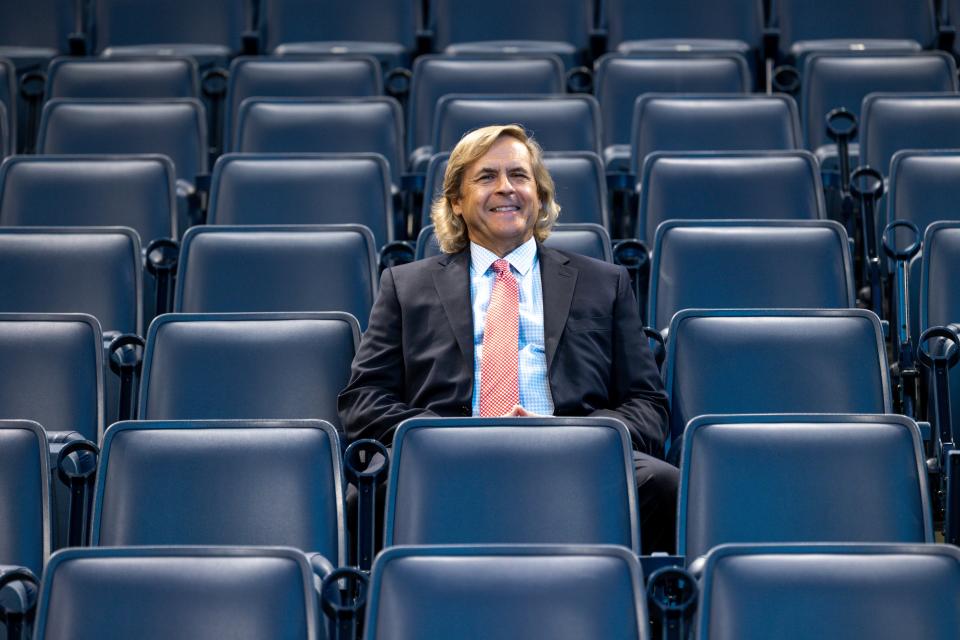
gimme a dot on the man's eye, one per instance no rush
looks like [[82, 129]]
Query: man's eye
[[520, 176], [486, 177]]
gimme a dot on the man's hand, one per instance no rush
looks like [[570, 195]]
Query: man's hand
[[520, 412]]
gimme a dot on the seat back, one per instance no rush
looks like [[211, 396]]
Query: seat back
[[849, 478], [740, 20], [44, 26], [122, 78], [298, 21], [246, 366], [303, 189], [732, 264], [891, 122], [506, 592], [292, 268], [169, 483], [182, 592], [748, 186], [924, 188], [171, 22], [8, 107], [584, 238], [24, 495], [858, 592]]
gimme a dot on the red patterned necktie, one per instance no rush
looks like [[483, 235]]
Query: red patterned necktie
[[499, 377]]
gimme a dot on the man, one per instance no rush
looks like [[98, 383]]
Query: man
[[502, 325]]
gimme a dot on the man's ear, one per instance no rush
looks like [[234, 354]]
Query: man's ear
[[456, 206]]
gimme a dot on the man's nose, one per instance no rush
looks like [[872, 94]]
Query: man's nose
[[504, 185]]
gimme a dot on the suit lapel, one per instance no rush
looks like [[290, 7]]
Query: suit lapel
[[558, 279], [452, 281]]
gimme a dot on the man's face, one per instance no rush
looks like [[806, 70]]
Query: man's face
[[498, 197]]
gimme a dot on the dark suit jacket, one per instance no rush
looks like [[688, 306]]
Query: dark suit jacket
[[416, 357]]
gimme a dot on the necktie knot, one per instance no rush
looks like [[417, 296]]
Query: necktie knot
[[501, 267]]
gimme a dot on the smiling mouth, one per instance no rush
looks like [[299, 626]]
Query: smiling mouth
[[505, 209]]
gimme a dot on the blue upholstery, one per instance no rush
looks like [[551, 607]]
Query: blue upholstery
[[749, 185], [7, 139], [732, 264], [291, 268], [51, 371], [924, 188], [583, 237], [578, 178], [303, 189], [122, 78], [559, 123], [356, 76], [130, 191], [24, 495], [178, 592], [8, 107], [619, 79], [498, 480], [496, 593], [701, 122], [891, 122], [775, 361], [855, 592], [310, 126], [802, 478], [246, 366], [32, 32], [162, 483]]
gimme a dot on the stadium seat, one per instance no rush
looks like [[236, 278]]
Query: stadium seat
[[183, 592], [7, 140], [247, 366], [585, 238], [221, 482], [619, 79], [497, 481], [33, 33], [24, 494], [734, 264], [277, 268], [501, 592], [8, 107], [275, 189], [891, 122], [122, 78], [297, 125], [855, 592], [733, 185], [801, 479]]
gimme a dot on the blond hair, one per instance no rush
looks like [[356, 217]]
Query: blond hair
[[450, 229]]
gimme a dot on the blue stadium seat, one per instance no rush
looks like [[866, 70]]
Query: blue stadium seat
[[855, 592], [122, 78], [579, 237], [183, 592], [7, 140], [500, 592], [247, 366], [33, 33], [8, 107], [277, 268], [891, 122], [701, 122], [747, 185], [496, 481], [849, 479], [734, 264], [619, 79], [295, 125], [24, 494], [163, 483]]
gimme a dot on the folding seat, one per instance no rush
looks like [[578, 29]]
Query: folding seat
[[277, 268], [578, 176], [496, 481], [247, 365], [735, 185], [292, 125], [854, 591], [576, 237], [385, 29], [733, 264], [122, 78], [24, 495], [182, 592], [178, 482], [8, 108], [718, 122], [849, 479], [513, 26], [435, 76], [342, 188], [501, 592], [356, 76], [619, 79]]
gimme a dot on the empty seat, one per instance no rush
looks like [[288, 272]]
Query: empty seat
[[303, 189], [857, 592], [33, 33], [183, 592], [24, 495], [496, 481], [619, 79], [584, 238], [732, 264], [767, 185], [368, 125], [8, 107], [662, 122], [540, 593], [99, 78], [245, 366], [924, 187], [221, 482], [357, 76], [309, 268], [802, 478], [891, 122]]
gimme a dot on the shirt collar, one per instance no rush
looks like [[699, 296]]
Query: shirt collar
[[521, 258]]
